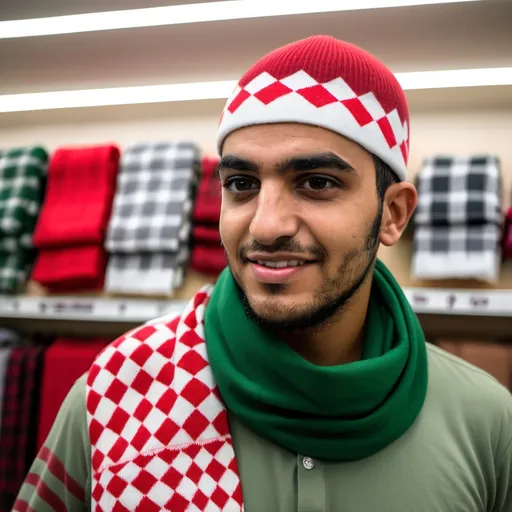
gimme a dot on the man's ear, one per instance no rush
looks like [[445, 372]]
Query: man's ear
[[399, 204]]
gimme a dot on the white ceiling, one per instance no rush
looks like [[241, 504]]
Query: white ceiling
[[466, 35], [24, 9]]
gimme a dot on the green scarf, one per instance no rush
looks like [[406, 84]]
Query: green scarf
[[341, 413]]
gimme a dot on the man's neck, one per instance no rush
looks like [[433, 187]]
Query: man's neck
[[338, 342]]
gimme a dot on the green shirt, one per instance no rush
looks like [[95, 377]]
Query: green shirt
[[455, 458]]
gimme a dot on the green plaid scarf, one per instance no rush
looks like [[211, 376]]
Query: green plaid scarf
[[22, 180]]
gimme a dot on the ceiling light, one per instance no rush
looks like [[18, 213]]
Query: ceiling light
[[191, 13], [223, 89]]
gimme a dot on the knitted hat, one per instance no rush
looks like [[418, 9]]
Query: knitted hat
[[325, 82]]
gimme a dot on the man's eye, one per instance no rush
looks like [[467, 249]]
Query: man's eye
[[318, 183], [238, 185]]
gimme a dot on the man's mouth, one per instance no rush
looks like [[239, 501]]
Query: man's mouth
[[281, 264]]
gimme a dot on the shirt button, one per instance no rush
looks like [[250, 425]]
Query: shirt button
[[308, 463]]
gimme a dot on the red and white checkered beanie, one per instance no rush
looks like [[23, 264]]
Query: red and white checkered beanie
[[325, 82]]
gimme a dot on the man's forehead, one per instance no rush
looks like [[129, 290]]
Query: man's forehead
[[266, 145]]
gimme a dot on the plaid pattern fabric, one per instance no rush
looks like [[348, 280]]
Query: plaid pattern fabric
[[153, 196], [159, 431], [149, 231], [155, 273], [19, 412], [22, 180], [458, 219], [459, 190]]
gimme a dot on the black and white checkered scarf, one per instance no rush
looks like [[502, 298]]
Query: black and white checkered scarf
[[149, 230], [457, 224]]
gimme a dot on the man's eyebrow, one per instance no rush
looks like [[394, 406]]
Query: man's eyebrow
[[298, 163], [316, 161], [235, 163]]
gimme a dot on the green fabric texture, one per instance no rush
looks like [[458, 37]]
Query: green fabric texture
[[339, 413], [22, 183]]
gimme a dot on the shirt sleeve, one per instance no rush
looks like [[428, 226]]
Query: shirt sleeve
[[59, 478]]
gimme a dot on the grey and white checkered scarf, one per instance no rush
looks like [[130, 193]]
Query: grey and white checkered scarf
[[149, 230], [458, 219]]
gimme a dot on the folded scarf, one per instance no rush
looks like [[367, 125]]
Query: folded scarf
[[458, 252], [459, 190], [78, 203], [507, 235], [148, 235], [64, 362], [71, 269], [73, 222], [340, 413], [22, 186], [208, 201], [207, 235], [148, 273], [457, 224], [153, 197], [207, 259]]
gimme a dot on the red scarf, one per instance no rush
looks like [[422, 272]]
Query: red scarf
[[73, 221], [159, 431]]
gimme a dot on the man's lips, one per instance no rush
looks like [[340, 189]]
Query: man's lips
[[270, 275]]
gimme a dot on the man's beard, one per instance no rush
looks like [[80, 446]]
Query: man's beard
[[330, 300]]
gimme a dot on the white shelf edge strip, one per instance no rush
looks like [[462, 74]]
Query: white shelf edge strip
[[191, 13], [424, 300], [87, 308], [416, 80]]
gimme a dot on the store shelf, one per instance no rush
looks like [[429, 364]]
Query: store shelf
[[89, 309], [487, 303]]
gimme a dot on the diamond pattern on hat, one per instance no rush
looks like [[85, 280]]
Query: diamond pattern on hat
[[317, 95], [372, 105], [159, 446], [259, 83], [299, 80], [358, 111], [325, 73], [238, 100], [272, 92], [340, 89]]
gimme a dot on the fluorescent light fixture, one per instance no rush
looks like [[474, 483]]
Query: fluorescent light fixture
[[192, 13], [223, 89]]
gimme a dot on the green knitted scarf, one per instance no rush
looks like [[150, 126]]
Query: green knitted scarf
[[341, 413]]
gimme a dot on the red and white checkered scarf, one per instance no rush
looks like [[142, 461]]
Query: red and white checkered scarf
[[159, 431]]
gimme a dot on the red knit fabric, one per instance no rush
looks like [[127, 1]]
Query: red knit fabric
[[208, 200], [79, 195], [507, 235], [332, 84], [74, 218], [208, 259], [71, 268], [64, 362], [207, 235], [325, 58]]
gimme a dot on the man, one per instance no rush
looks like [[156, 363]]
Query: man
[[301, 380]]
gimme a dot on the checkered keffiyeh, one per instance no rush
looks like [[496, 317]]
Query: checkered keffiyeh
[[22, 181], [458, 220], [19, 413], [158, 428], [150, 226]]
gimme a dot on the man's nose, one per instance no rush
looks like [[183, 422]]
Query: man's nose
[[275, 216]]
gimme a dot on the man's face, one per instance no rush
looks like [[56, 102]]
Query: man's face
[[300, 221]]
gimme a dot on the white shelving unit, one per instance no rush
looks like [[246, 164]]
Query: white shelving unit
[[425, 301]]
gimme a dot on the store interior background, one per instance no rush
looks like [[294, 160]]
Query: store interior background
[[448, 121], [421, 38]]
